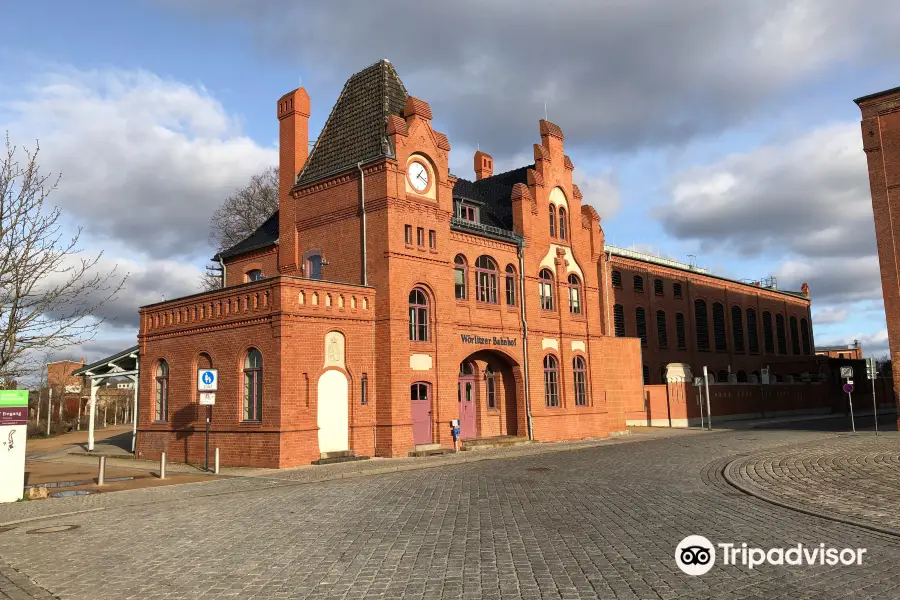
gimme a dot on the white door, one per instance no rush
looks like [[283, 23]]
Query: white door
[[333, 418]]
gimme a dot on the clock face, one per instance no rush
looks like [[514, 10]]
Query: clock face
[[418, 176]]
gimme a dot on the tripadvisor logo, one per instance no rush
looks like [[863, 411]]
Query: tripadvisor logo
[[696, 555]]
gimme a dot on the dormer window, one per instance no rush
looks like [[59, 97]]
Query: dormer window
[[254, 275], [467, 212]]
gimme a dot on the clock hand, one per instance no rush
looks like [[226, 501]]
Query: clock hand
[[419, 176]]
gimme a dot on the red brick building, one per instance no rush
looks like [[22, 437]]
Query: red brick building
[[852, 351], [388, 297], [68, 390], [881, 143]]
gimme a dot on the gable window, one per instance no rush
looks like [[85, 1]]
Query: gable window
[[407, 234], [253, 385], [467, 213], [701, 318], [546, 289], [640, 319], [460, 268], [768, 338], [676, 290], [161, 410], [662, 332], [510, 285], [551, 381], [658, 288], [420, 236], [719, 327], [578, 375], [418, 316], [737, 328], [752, 333], [680, 336], [617, 279], [795, 336], [486, 280], [574, 294], [638, 284], [490, 386], [619, 320], [562, 223], [254, 275], [552, 221], [314, 265], [781, 334]]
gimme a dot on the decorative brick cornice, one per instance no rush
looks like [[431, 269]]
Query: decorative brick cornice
[[568, 163], [414, 106], [458, 236], [442, 142], [541, 153], [535, 178], [576, 191], [551, 129], [396, 125], [341, 178]]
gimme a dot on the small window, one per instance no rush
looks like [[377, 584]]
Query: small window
[[680, 335], [460, 272], [617, 279], [638, 284], [253, 385], [432, 239], [490, 386], [578, 374], [546, 289], [254, 275], [574, 294], [510, 285], [562, 223], [551, 381], [640, 318], [364, 389], [161, 410], [658, 288], [619, 320], [467, 212], [485, 280], [676, 290], [418, 316], [314, 265], [552, 221], [662, 333], [420, 236], [407, 235]]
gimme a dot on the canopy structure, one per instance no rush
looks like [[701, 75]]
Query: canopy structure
[[122, 364]]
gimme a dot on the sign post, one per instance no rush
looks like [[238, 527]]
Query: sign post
[[13, 433], [847, 373], [207, 385], [708, 408], [698, 381], [872, 373]]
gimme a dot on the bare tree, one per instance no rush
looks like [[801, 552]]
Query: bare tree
[[240, 215], [49, 291]]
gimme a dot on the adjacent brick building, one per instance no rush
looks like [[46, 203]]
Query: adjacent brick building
[[852, 351]]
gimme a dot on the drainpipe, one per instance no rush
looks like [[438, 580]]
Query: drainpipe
[[525, 339], [362, 208], [222, 264]]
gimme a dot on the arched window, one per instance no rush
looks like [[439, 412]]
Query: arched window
[[253, 385], [662, 333], [640, 319], [485, 280], [578, 374], [676, 290], [562, 223], [552, 221], [551, 381], [418, 315], [658, 287], [804, 335], [546, 289], [617, 279], [795, 336], [574, 294], [780, 334], [737, 328], [510, 285], [680, 335], [638, 284], [619, 320], [161, 412], [204, 361], [313, 265], [701, 318], [768, 338], [719, 327], [645, 372], [460, 268], [741, 377], [752, 333], [490, 382], [254, 275]]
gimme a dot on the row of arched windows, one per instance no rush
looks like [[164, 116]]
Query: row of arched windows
[[551, 381], [563, 222], [800, 338], [638, 283], [252, 385]]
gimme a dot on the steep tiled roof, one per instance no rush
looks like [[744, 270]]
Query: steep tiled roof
[[265, 235], [495, 194], [356, 128]]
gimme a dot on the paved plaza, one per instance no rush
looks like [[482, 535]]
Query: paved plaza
[[591, 522]]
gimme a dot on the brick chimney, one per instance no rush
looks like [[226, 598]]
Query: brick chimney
[[293, 122], [484, 165]]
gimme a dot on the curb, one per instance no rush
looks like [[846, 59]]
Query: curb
[[734, 481], [65, 514]]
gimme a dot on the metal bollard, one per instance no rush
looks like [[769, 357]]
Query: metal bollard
[[162, 465], [217, 462], [101, 475]]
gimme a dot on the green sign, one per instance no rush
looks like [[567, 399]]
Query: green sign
[[13, 397]]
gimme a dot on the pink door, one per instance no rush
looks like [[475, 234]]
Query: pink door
[[467, 407], [420, 396]]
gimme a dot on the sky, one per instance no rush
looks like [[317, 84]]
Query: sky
[[724, 130]]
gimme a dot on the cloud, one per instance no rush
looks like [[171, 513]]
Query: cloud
[[873, 344], [810, 196], [615, 75], [833, 280], [144, 160], [830, 315], [600, 191]]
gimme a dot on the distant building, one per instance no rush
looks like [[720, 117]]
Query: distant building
[[852, 351]]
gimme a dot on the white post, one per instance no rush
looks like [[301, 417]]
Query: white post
[[874, 404], [162, 465], [92, 409], [101, 475], [134, 412], [217, 461], [105, 406], [50, 408], [116, 413], [708, 409], [61, 402], [37, 421]]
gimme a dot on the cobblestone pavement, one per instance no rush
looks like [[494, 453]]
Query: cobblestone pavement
[[594, 522], [854, 477]]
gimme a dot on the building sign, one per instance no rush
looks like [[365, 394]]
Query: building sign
[[488, 341], [73, 389], [13, 423]]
